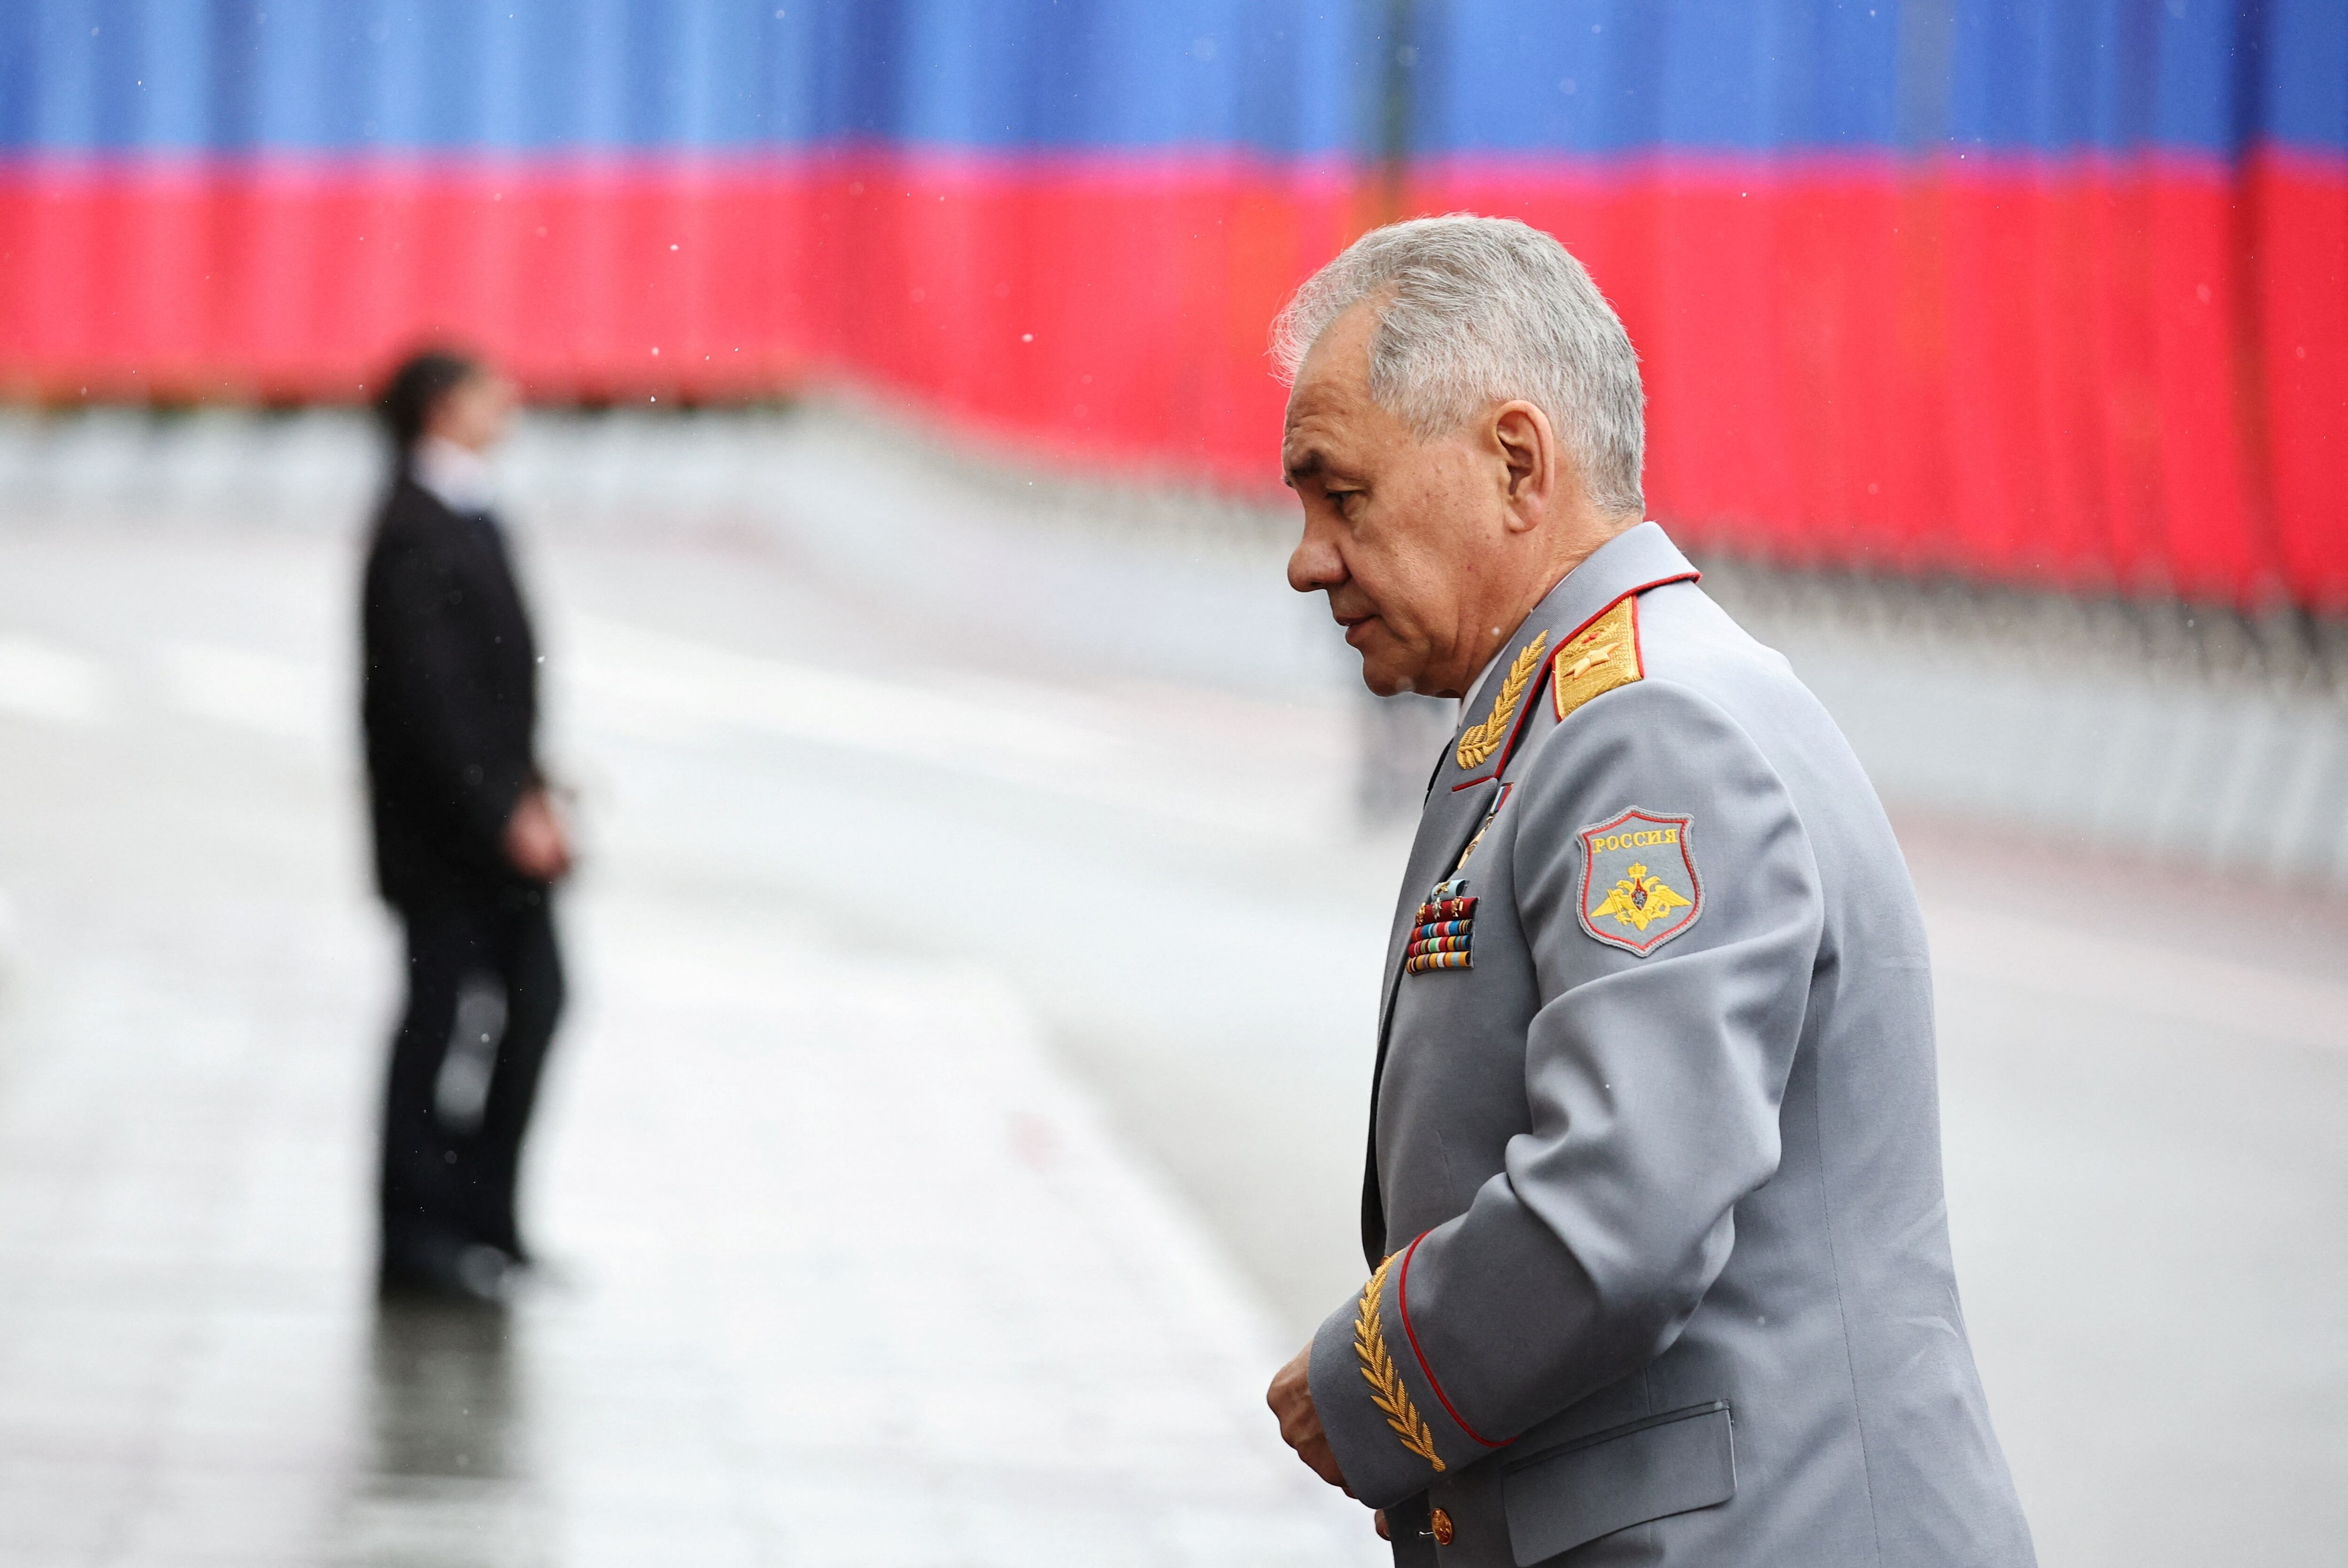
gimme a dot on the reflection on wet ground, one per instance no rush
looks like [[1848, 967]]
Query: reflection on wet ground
[[447, 1478]]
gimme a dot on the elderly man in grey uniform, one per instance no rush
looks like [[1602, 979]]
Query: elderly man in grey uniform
[[1660, 1266]]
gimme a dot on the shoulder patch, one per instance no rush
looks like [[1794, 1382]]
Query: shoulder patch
[[1640, 887], [1601, 656]]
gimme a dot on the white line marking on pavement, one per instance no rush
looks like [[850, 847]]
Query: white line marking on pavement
[[677, 681], [45, 681], [253, 691], [655, 686]]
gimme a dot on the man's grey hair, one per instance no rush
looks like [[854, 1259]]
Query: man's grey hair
[[1478, 310]]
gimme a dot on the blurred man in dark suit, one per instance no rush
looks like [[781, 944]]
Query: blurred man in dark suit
[[467, 845]]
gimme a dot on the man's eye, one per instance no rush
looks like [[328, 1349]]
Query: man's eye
[[1338, 498]]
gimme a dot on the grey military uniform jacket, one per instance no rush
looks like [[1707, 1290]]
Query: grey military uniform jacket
[[1662, 1267]]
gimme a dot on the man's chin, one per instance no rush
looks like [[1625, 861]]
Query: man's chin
[[1390, 667], [1385, 680]]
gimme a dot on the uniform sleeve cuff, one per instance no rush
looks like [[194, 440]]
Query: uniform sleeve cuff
[[1384, 1422]]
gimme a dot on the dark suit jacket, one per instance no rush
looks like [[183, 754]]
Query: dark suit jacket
[[451, 700]]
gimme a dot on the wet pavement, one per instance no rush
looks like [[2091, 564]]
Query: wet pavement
[[960, 1110], [846, 1269]]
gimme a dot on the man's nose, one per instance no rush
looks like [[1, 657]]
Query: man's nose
[[1315, 565]]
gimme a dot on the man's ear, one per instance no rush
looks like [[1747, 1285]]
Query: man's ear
[[1528, 453]]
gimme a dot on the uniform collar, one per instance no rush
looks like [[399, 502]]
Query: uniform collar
[[1476, 686], [1632, 561]]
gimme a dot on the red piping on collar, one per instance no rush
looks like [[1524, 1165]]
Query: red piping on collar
[[1508, 747]]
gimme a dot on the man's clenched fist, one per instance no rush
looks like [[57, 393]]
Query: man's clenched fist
[[1291, 1398]]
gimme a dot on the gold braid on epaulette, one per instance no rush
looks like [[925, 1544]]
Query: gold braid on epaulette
[[1480, 741], [1386, 1390]]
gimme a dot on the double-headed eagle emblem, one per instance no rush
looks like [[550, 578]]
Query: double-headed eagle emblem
[[1639, 900]]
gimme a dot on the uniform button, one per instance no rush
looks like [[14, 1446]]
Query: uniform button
[[1443, 1532]]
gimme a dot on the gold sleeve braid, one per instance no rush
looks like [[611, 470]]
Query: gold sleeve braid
[[1387, 1389]]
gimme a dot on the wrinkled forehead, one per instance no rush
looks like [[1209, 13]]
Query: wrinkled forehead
[[1319, 402], [1324, 424]]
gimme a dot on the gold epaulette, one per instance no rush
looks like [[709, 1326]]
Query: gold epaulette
[[1601, 656]]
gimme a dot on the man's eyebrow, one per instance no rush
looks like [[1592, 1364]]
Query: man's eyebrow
[[1307, 463]]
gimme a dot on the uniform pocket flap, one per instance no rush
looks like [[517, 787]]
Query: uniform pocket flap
[[1612, 1479]]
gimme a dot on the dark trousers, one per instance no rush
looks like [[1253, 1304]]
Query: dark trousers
[[448, 1180]]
